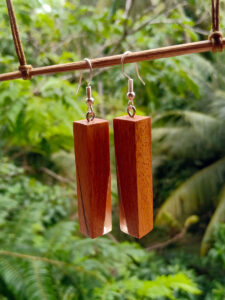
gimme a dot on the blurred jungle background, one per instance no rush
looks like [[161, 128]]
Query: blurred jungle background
[[42, 254]]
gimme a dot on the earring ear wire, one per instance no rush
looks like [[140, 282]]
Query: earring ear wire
[[89, 100], [92, 154], [81, 75], [131, 110], [136, 66], [133, 150]]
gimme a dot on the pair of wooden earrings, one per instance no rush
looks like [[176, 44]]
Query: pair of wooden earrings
[[133, 150]]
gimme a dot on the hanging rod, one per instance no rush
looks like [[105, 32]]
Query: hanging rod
[[152, 54]]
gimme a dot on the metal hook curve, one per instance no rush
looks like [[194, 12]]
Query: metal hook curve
[[136, 66], [91, 70], [81, 75]]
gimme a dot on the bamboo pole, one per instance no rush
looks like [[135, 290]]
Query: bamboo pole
[[152, 54]]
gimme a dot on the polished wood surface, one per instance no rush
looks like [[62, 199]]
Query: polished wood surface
[[92, 155], [133, 148]]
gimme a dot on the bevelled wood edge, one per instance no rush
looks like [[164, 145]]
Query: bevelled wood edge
[[92, 156], [133, 151]]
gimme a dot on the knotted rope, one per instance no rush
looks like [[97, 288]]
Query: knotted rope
[[216, 37], [23, 68]]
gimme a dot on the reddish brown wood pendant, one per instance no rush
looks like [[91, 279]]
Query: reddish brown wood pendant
[[133, 150], [92, 154]]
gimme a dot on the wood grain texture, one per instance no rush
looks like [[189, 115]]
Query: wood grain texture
[[133, 148], [92, 155]]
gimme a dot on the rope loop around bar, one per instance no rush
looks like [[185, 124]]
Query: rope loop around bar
[[216, 37], [25, 71], [23, 68]]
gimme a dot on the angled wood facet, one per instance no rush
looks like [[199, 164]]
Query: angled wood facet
[[92, 155], [133, 148]]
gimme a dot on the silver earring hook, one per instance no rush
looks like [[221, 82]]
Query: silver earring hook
[[90, 115], [91, 70], [136, 66], [81, 75]]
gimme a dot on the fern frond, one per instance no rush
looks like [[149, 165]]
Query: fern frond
[[10, 272], [59, 236], [38, 282], [22, 227]]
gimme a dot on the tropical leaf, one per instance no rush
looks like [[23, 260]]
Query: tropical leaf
[[188, 135], [162, 286], [217, 106], [38, 282], [218, 217], [23, 227], [173, 141], [187, 118], [59, 236], [197, 194], [10, 272], [165, 285]]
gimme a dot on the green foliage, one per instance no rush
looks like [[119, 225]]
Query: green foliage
[[201, 189], [163, 286], [217, 218], [44, 258], [42, 255], [185, 136], [34, 124], [38, 114], [217, 252]]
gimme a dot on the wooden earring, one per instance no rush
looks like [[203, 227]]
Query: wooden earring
[[133, 149], [92, 156]]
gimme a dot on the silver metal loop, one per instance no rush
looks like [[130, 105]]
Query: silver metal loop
[[131, 110], [90, 116], [90, 101]]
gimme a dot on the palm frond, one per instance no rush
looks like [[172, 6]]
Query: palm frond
[[173, 141], [195, 195], [188, 135], [218, 105], [188, 118]]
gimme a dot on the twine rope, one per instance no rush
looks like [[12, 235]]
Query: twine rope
[[24, 68], [214, 43], [216, 37]]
